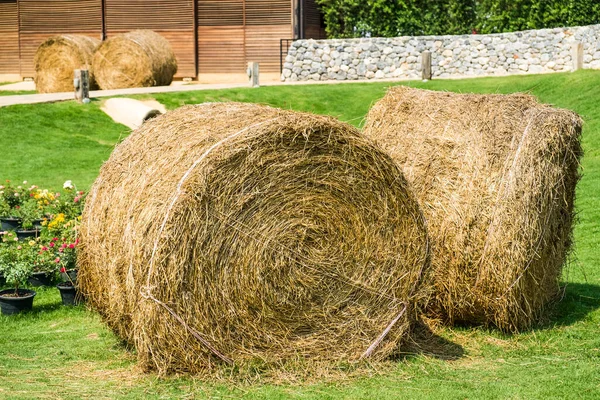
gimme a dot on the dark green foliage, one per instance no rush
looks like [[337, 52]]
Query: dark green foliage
[[514, 15], [375, 18]]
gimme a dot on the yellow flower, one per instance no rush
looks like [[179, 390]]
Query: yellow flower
[[59, 219], [32, 243]]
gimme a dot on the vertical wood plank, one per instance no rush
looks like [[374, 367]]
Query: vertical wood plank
[[426, 65]]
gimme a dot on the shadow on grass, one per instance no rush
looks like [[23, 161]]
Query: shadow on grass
[[427, 343], [575, 304], [45, 307], [578, 301]]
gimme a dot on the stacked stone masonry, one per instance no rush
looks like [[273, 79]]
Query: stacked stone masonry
[[536, 51]]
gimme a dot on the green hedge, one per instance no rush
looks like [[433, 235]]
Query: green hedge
[[387, 18]]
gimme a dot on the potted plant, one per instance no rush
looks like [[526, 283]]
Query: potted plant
[[16, 266], [11, 199], [45, 262], [31, 213], [66, 258]]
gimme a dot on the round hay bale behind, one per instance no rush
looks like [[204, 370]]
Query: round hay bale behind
[[495, 176], [56, 59], [240, 232], [139, 58]]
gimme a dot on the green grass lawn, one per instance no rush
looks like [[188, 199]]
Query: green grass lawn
[[16, 92], [56, 352]]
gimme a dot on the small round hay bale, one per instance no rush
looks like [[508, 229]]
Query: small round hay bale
[[56, 59], [139, 58], [241, 232], [495, 176]]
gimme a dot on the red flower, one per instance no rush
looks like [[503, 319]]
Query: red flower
[[72, 246], [51, 244], [44, 249], [63, 270], [57, 260], [54, 239]]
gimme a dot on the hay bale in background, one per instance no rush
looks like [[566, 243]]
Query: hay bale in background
[[139, 58], [56, 59], [495, 176], [271, 234]]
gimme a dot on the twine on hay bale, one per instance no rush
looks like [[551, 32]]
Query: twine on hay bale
[[234, 233], [139, 58], [57, 58], [495, 176]]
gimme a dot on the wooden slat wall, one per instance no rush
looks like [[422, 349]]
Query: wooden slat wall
[[268, 12], [173, 19], [40, 19], [313, 25], [221, 36], [221, 49], [9, 37], [220, 12], [234, 32], [262, 44], [267, 21]]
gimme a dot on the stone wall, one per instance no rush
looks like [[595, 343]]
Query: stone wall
[[536, 51]]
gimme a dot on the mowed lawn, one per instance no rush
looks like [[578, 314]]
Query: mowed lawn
[[54, 352]]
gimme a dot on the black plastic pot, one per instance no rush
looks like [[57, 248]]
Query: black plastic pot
[[27, 234], [41, 279], [15, 305], [10, 223], [37, 224], [69, 294], [69, 276]]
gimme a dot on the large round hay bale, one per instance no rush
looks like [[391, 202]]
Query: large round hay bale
[[495, 176], [242, 232], [56, 59], [139, 58]]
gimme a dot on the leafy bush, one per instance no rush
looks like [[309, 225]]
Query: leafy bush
[[16, 259], [356, 18]]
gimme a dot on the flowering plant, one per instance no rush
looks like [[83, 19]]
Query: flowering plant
[[16, 260], [12, 198], [29, 212], [65, 216], [60, 226], [57, 255], [55, 249], [70, 203]]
